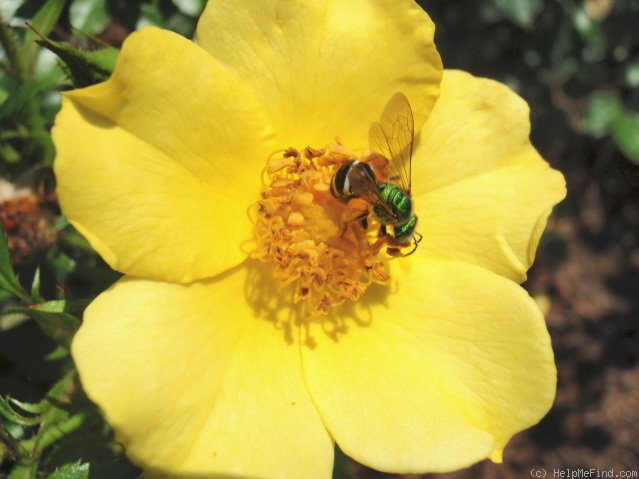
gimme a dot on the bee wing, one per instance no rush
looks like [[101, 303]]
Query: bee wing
[[392, 136], [364, 186]]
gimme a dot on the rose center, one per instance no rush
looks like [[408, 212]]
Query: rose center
[[327, 250]]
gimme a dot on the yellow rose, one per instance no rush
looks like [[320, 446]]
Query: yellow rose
[[208, 357]]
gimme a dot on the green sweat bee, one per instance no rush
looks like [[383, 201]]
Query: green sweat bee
[[390, 201]]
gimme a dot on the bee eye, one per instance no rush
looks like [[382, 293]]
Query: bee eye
[[340, 186]]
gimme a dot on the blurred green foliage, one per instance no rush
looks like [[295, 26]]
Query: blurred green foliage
[[576, 62]]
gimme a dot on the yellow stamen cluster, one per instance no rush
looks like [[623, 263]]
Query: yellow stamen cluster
[[316, 243]]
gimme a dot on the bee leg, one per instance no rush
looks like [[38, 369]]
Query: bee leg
[[361, 218], [344, 229], [417, 238], [413, 250]]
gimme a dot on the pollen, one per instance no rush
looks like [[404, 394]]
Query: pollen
[[327, 251]]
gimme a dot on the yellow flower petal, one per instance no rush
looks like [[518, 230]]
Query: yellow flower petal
[[326, 68], [194, 383], [492, 220], [482, 191], [448, 368], [169, 144]]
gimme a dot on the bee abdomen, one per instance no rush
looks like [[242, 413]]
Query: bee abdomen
[[404, 233]]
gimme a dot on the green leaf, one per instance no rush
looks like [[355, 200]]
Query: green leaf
[[71, 471], [602, 110], [631, 76], [60, 327], [6, 85], [58, 424], [8, 154], [605, 114], [625, 132], [58, 353], [54, 318], [61, 261], [32, 408], [61, 306], [26, 470], [70, 238], [85, 68], [8, 280], [56, 421], [43, 22], [35, 287], [57, 394], [11, 415], [47, 16], [22, 94]]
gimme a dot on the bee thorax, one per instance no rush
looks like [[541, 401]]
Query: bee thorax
[[398, 205]]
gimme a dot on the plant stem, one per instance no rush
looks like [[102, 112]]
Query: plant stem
[[17, 65]]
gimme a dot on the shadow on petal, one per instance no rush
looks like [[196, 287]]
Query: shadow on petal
[[273, 301], [93, 118]]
